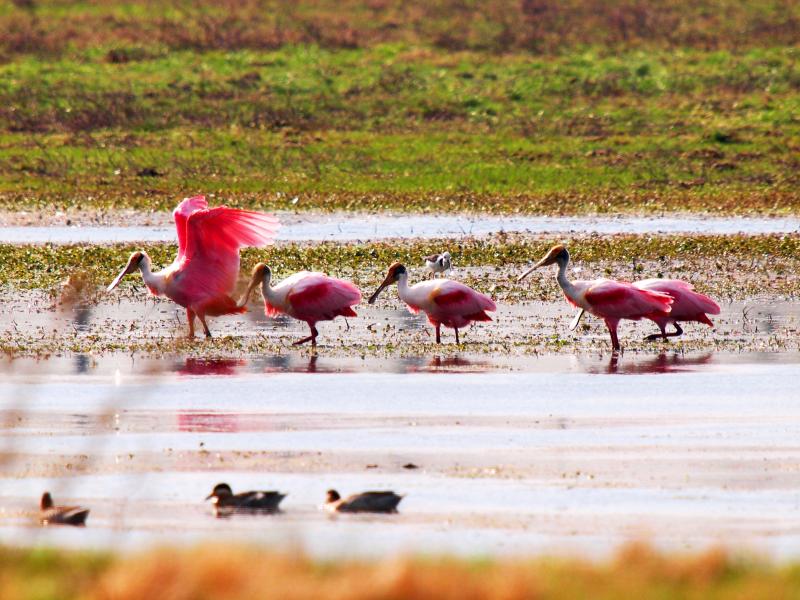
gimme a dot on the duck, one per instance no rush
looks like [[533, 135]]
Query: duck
[[227, 503], [370, 502], [61, 515]]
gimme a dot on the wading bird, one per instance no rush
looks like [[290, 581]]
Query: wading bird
[[610, 300], [309, 297], [203, 275], [373, 502], [227, 503], [438, 263], [446, 302], [687, 305], [60, 515]]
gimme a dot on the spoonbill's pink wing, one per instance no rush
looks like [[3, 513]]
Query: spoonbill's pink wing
[[213, 239], [688, 304], [319, 297], [226, 230], [181, 215], [618, 300], [458, 299]]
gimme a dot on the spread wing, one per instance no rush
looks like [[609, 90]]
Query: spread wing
[[181, 215], [213, 239]]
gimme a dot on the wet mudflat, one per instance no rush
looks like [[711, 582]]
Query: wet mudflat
[[563, 453], [344, 227]]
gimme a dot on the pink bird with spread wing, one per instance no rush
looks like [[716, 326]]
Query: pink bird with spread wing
[[610, 300], [309, 297], [687, 305], [203, 275], [446, 302]]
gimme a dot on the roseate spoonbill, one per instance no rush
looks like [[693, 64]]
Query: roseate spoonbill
[[610, 300], [227, 503], [446, 302], [309, 297], [687, 305], [438, 263], [204, 272], [372, 502], [60, 515]]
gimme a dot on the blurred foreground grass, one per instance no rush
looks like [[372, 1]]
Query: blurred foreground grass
[[221, 573]]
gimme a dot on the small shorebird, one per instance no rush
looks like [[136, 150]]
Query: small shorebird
[[203, 274], [446, 302], [227, 503], [309, 297], [687, 305], [438, 263], [373, 502], [610, 300], [60, 515]]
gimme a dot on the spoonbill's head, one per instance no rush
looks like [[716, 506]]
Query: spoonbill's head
[[46, 501], [261, 274], [331, 496], [558, 254], [396, 271], [220, 491], [134, 262]]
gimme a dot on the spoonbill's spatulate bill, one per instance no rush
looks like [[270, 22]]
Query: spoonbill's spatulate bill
[[687, 305], [306, 296], [610, 300], [203, 275], [446, 302]]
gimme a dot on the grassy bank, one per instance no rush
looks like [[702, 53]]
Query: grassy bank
[[228, 573], [626, 106]]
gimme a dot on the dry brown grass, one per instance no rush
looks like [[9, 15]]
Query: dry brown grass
[[225, 573]]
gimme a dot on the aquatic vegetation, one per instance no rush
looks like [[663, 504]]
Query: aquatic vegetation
[[45, 266]]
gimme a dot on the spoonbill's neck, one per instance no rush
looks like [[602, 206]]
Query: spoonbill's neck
[[156, 282], [402, 287], [267, 291], [565, 283]]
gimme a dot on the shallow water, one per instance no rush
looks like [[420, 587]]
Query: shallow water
[[558, 453], [350, 227]]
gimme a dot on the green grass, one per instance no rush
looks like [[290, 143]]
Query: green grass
[[405, 120]]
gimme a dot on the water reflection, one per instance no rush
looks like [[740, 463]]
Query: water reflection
[[120, 366], [208, 422], [210, 366], [663, 363]]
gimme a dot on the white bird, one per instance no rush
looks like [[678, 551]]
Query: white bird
[[438, 263]]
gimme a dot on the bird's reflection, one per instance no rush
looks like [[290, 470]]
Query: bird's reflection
[[663, 363], [208, 422], [442, 364], [210, 366]]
